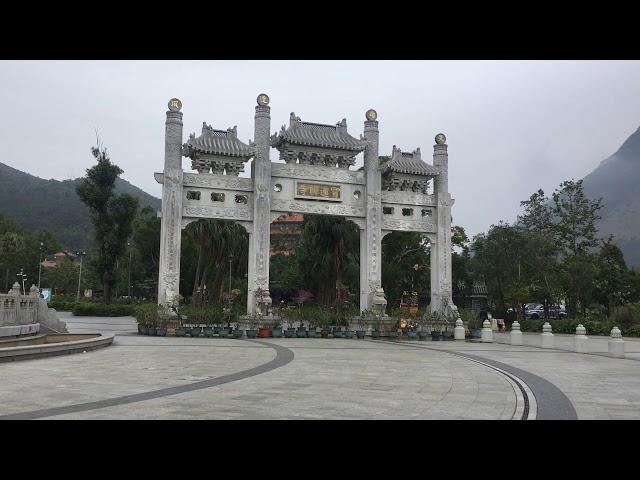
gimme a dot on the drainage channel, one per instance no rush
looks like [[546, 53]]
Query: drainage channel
[[536, 398]]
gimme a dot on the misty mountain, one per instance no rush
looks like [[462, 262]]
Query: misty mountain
[[36, 204], [617, 181]]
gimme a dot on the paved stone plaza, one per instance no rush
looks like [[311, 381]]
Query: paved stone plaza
[[212, 378]]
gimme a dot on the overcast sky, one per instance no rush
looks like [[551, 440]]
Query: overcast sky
[[512, 126]]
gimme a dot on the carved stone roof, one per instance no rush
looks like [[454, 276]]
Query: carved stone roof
[[408, 162], [217, 142], [317, 135]]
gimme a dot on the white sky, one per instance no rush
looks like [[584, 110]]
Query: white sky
[[512, 126]]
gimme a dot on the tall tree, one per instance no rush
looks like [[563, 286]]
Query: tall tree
[[542, 250], [112, 215], [328, 251], [576, 217], [575, 232]]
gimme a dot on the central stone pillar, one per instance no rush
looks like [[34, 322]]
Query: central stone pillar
[[365, 294], [260, 241], [441, 279], [372, 233], [171, 222]]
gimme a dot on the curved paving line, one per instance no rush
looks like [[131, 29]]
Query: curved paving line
[[552, 403], [283, 357]]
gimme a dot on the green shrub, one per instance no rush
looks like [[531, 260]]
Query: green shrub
[[62, 305], [102, 310], [627, 316], [633, 331]]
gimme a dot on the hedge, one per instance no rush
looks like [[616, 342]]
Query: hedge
[[102, 310]]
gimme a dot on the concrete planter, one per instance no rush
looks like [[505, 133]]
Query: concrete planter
[[423, 335], [252, 333], [348, 334], [301, 333], [360, 334], [208, 332], [181, 332], [276, 332], [375, 334], [435, 336], [224, 332], [161, 332], [337, 334], [152, 332], [411, 335], [237, 333], [289, 332], [312, 333], [195, 332], [144, 330], [393, 334]]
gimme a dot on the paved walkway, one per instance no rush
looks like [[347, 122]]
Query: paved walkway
[[212, 378], [98, 324]]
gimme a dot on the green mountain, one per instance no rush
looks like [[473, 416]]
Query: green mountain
[[36, 204], [617, 181]]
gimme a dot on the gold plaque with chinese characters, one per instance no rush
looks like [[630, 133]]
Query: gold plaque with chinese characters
[[318, 191]]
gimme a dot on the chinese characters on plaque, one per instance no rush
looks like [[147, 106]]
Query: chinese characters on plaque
[[328, 192]]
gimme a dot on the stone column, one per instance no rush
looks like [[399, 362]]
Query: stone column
[[616, 344], [260, 239], [171, 223], [546, 337], [581, 341], [373, 233], [516, 333], [364, 289], [441, 289], [250, 273]]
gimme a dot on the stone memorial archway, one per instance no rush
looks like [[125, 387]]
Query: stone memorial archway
[[315, 178]]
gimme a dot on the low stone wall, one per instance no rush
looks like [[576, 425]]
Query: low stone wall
[[55, 345]]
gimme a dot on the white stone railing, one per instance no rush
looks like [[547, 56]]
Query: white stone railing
[[17, 309]]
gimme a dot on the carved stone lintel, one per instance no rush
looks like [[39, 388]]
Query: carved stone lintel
[[419, 225], [223, 182], [317, 207], [315, 172], [218, 212]]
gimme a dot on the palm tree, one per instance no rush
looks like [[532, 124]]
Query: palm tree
[[215, 240], [327, 247]]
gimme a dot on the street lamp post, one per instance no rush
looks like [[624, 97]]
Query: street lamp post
[[24, 279], [81, 254], [129, 245], [40, 265]]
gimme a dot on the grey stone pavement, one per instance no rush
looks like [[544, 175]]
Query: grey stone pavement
[[211, 378]]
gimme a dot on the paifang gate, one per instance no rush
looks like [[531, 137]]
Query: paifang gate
[[314, 178]]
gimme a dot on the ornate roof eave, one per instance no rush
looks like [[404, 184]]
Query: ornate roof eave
[[409, 163], [308, 134], [218, 142]]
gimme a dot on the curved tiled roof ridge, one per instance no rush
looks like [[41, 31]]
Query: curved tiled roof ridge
[[317, 135], [217, 142]]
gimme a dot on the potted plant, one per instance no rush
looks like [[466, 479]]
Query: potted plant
[[363, 323], [252, 322], [161, 325], [238, 332], [151, 323], [393, 332], [290, 322], [276, 329], [314, 323], [375, 325], [195, 330], [225, 330]]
